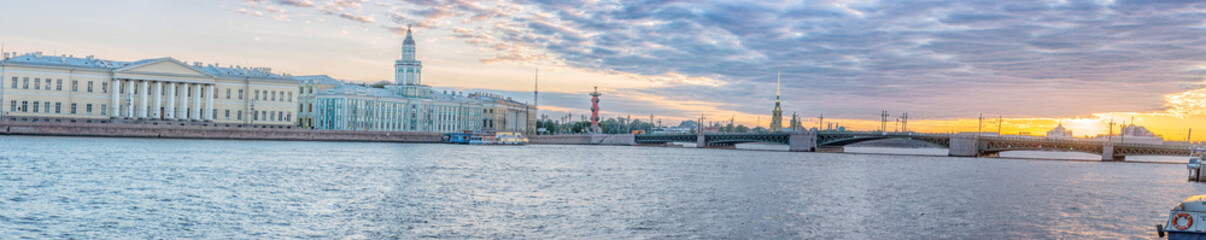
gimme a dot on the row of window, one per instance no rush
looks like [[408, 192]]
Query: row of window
[[45, 107], [57, 85], [52, 84], [271, 96]]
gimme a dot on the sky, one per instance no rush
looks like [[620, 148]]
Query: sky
[[1033, 64]]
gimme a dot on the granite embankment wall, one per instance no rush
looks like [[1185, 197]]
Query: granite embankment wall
[[585, 139], [207, 132]]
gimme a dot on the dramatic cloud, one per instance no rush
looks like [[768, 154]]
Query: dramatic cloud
[[852, 59]]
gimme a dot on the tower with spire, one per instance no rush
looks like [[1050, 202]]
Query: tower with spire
[[795, 125], [408, 70], [776, 124]]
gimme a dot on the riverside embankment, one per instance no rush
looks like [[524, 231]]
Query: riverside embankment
[[207, 132]]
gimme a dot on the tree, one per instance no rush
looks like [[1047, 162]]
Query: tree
[[742, 129]]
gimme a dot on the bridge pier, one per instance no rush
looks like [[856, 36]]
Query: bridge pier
[[700, 141], [964, 145], [802, 142], [1107, 153]]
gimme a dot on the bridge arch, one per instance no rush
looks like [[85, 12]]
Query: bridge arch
[[731, 139], [840, 140], [998, 146]]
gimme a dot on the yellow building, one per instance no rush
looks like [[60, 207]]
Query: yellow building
[[502, 114], [35, 87]]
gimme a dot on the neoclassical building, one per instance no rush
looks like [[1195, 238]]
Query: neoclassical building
[[406, 104], [39, 87]]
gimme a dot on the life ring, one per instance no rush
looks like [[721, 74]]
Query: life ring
[[1177, 221]]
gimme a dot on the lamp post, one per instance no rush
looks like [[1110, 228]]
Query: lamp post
[[254, 114]]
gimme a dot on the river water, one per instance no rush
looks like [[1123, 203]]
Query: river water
[[105, 188]]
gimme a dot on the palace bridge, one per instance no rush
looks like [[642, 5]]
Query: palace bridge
[[961, 145]]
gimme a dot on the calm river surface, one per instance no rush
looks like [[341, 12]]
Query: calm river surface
[[104, 188]]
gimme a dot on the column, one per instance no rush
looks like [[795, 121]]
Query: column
[[406, 75], [130, 98], [209, 102], [182, 112], [196, 102], [170, 111], [114, 86], [155, 112], [142, 100]]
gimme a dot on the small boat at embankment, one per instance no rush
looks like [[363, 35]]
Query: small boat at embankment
[[501, 138], [1181, 220]]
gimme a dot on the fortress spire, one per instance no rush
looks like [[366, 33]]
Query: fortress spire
[[777, 113]]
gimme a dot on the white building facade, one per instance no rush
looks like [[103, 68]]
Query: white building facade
[[65, 88], [405, 105]]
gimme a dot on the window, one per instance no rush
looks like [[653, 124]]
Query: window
[[228, 97], [290, 96], [227, 110], [75, 85], [47, 84], [25, 83], [35, 108], [273, 95], [58, 84], [24, 106], [288, 116], [240, 97], [255, 116], [46, 107], [88, 109], [89, 86], [58, 107], [14, 83], [73, 108], [37, 83], [104, 109], [257, 95], [239, 116], [12, 107], [104, 87]]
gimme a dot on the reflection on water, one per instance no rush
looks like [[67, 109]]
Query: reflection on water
[[91, 188]]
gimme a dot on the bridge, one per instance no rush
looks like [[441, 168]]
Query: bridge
[[962, 145]]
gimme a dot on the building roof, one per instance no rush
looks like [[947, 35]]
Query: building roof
[[90, 62], [67, 60], [322, 79], [238, 71], [409, 40]]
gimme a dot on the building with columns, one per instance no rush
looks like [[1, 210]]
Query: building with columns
[[406, 104], [38, 87]]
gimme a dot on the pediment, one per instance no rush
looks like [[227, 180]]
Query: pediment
[[163, 66]]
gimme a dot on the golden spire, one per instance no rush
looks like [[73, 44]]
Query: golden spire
[[778, 81]]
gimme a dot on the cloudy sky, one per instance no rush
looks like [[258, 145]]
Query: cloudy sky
[[1034, 63]]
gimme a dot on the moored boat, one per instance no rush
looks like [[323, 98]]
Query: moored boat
[[1181, 220], [1195, 165]]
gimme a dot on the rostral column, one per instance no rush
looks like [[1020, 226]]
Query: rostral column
[[594, 111]]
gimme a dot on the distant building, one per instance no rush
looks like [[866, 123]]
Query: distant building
[[1134, 134], [37, 87], [796, 125], [1059, 132]]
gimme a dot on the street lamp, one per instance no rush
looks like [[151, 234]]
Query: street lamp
[[254, 114]]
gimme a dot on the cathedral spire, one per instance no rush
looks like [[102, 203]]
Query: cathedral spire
[[777, 113]]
